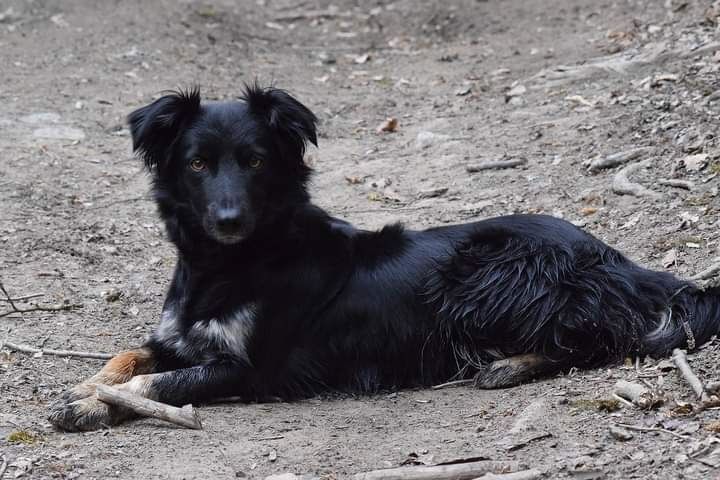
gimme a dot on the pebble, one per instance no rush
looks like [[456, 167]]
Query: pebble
[[621, 434]]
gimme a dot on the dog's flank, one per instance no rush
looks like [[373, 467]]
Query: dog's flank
[[273, 298]]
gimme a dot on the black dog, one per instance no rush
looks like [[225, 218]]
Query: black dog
[[272, 297]]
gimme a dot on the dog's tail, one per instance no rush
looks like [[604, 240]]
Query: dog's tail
[[692, 317]]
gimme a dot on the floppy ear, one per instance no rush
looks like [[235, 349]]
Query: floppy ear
[[156, 127], [292, 120]]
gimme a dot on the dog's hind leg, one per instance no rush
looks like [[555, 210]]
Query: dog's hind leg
[[513, 371], [81, 398]]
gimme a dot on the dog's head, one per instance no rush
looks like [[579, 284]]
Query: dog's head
[[225, 168]]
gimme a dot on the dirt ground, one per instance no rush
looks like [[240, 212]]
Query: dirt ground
[[559, 83]]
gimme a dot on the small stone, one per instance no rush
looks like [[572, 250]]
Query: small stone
[[695, 163], [621, 434], [111, 295], [426, 139]]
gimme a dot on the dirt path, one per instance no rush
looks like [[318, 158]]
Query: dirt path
[[479, 80]]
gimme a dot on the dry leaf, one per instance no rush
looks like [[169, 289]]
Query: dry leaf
[[670, 258], [389, 125]]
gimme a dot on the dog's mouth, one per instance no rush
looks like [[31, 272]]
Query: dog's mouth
[[225, 234]]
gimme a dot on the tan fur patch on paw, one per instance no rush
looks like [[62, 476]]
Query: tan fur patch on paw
[[123, 366]]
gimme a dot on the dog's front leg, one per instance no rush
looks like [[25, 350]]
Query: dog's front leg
[[176, 387], [192, 385], [79, 409]]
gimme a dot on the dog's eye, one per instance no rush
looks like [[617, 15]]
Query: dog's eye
[[197, 164], [255, 162]]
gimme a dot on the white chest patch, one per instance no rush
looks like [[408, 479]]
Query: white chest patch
[[207, 339]]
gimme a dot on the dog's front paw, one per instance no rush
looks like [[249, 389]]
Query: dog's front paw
[[84, 414]]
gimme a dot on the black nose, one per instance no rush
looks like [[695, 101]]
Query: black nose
[[228, 219]]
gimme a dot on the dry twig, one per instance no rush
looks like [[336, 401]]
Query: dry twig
[[617, 159], [457, 471], [495, 165], [681, 362], [709, 272], [35, 308], [651, 429], [57, 353], [186, 416], [454, 383], [623, 186], [671, 182], [639, 395], [531, 474], [3, 466]]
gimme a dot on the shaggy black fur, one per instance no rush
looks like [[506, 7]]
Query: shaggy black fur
[[272, 297]]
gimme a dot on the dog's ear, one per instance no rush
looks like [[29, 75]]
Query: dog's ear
[[284, 114], [156, 127]]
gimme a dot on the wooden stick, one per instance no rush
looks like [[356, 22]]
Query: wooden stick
[[22, 298], [651, 429], [623, 186], [691, 379], [3, 467], [57, 353], [709, 272], [186, 416], [671, 182], [639, 395], [531, 474], [617, 158], [457, 471], [495, 165], [454, 383]]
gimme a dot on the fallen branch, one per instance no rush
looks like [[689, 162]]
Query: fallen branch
[[495, 165], [20, 299], [35, 308], [651, 429], [617, 159], [639, 395], [709, 272], [41, 308], [57, 353], [311, 15], [457, 471], [531, 474], [684, 184], [454, 383], [186, 416], [3, 466], [623, 186], [681, 362]]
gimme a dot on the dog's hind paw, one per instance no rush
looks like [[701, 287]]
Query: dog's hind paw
[[510, 372], [84, 414]]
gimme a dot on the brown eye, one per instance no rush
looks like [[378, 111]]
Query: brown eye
[[255, 163], [197, 164]]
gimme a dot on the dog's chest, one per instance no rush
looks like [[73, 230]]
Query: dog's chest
[[208, 339]]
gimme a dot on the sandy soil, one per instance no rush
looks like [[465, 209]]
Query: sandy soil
[[556, 82]]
